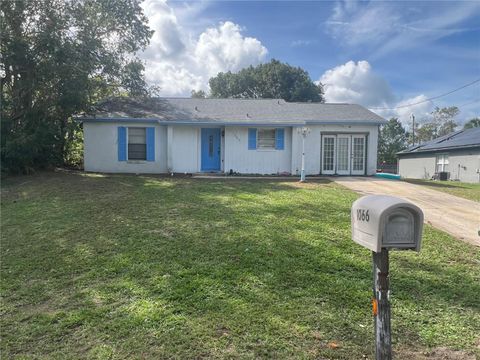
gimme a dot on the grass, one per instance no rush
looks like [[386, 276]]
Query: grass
[[465, 190], [113, 267]]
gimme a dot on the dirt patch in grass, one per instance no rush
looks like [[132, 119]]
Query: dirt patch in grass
[[439, 353]]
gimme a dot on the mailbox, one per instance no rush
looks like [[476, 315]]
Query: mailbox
[[381, 221]]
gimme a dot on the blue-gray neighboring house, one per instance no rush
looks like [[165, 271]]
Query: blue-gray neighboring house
[[456, 154]]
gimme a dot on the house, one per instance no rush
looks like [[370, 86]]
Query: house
[[185, 135], [456, 154]]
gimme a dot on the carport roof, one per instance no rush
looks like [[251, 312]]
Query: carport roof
[[465, 138], [229, 112]]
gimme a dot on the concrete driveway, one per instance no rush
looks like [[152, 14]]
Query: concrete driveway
[[454, 215]]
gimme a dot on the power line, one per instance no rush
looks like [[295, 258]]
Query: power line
[[469, 103], [427, 100]]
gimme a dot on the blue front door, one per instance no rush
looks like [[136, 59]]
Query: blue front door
[[210, 149]]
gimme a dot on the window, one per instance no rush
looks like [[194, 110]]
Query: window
[[358, 153], [266, 139], [328, 153], [137, 143], [442, 163]]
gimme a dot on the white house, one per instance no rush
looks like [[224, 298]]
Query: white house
[[164, 135]]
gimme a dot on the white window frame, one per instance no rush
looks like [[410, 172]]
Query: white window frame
[[364, 155], [443, 161], [334, 154], [346, 171], [273, 146], [128, 143]]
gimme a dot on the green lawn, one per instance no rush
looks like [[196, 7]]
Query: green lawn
[[465, 190], [150, 267]]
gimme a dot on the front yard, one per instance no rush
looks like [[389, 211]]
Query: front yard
[[465, 190], [148, 267]]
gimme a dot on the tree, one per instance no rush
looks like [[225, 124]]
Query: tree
[[425, 133], [198, 94], [58, 58], [441, 123], [472, 123], [392, 139], [273, 80], [444, 120]]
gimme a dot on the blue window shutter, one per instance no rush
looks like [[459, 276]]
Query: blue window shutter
[[280, 139], [150, 144], [252, 139], [122, 143]]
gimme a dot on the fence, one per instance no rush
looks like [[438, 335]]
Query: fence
[[387, 168]]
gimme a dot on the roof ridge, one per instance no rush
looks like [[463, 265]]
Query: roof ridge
[[190, 98]]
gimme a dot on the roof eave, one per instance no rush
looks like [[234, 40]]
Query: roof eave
[[439, 149], [227, 123]]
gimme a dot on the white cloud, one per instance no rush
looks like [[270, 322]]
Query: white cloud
[[385, 26], [357, 83], [224, 48], [179, 61], [422, 111]]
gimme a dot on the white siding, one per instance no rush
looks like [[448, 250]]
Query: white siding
[[239, 159], [185, 149], [101, 149]]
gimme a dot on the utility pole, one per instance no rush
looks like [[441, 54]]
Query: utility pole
[[413, 129]]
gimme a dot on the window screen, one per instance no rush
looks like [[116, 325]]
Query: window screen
[[442, 163], [328, 153], [137, 144], [358, 153], [266, 138]]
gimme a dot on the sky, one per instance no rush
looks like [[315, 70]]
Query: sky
[[381, 55]]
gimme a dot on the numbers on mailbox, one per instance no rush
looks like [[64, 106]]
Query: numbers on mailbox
[[362, 215]]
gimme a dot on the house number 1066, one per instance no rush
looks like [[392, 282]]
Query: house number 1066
[[362, 215]]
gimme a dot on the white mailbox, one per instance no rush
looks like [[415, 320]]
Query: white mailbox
[[381, 221]]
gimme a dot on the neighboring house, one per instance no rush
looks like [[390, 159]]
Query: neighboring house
[[183, 135], [457, 154]]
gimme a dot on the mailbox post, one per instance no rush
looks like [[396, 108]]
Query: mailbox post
[[381, 223]]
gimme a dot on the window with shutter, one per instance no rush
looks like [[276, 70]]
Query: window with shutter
[[266, 139], [137, 143]]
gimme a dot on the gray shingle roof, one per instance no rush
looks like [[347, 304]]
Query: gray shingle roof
[[230, 111], [459, 139]]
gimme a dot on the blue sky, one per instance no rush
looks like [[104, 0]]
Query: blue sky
[[378, 54]]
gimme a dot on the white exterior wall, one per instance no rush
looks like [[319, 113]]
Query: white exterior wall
[[313, 146], [184, 147], [463, 165], [101, 149], [178, 149], [238, 158]]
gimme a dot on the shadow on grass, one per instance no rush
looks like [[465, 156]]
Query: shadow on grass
[[132, 260]]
